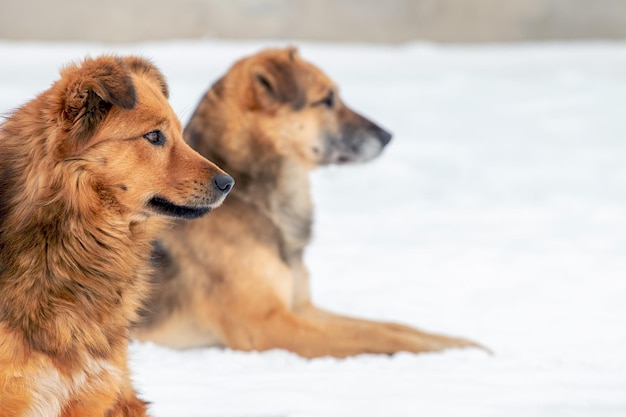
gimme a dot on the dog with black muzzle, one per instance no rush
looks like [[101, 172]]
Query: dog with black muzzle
[[237, 278]]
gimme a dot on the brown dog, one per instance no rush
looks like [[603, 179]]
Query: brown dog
[[88, 172], [237, 277]]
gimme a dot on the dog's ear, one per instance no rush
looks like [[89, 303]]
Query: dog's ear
[[146, 67], [90, 90], [276, 81]]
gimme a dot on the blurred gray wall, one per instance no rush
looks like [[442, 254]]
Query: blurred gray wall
[[326, 20]]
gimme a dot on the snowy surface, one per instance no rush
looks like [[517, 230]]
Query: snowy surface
[[497, 213]]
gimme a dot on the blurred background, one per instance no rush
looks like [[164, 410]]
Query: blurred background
[[319, 20]]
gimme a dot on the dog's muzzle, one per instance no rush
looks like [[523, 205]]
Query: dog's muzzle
[[221, 186]]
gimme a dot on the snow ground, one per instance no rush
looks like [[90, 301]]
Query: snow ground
[[497, 213]]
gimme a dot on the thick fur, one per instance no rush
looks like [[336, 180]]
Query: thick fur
[[237, 278], [83, 191]]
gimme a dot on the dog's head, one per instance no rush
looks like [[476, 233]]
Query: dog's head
[[117, 127], [297, 110]]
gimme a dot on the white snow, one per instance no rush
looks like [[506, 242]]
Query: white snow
[[497, 213]]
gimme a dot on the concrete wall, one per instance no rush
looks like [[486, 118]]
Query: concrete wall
[[327, 20]]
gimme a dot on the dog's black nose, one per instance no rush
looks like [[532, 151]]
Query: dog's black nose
[[223, 182], [384, 136]]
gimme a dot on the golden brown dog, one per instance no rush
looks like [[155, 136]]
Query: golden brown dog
[[89, 170], [237, 277]]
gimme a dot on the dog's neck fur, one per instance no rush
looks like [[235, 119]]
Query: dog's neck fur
[[281, 194], [277, 188], [288, 205], [58, 248]]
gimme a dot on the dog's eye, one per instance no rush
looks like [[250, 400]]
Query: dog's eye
[[155, 137], [328, 101]]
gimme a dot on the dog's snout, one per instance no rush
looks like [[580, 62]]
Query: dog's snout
[[223, 182], [383, 136]]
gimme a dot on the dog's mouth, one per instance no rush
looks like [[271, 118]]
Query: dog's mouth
[[165, 207]]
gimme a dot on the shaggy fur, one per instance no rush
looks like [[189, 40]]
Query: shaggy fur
[[237, 277], [88, 171]]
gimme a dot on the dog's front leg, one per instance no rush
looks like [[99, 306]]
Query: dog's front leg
[[408, 338], [109, 401], [316, 336], [129, 405], [386, 337]]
